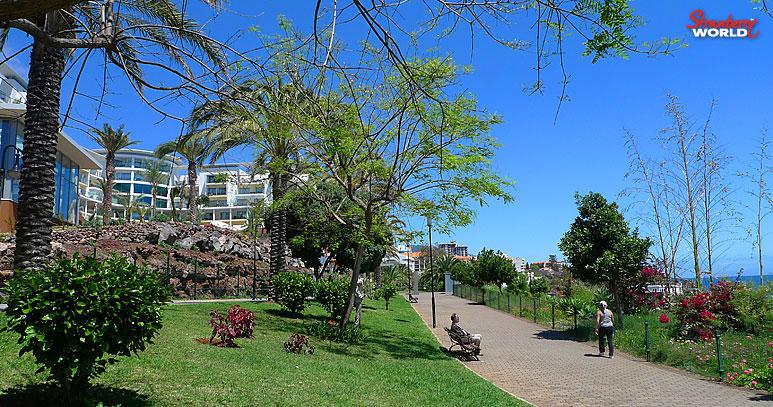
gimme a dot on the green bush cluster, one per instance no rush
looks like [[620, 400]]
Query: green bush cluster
[[291, 290], [161, 217], [387, 291], [333, 295], [78, 313]]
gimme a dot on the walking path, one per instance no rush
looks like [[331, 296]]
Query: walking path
[[546, 368]]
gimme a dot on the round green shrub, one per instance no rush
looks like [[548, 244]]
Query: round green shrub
[[161, 217], [291, 289], [333, 295], [387, 291], [78, 313]]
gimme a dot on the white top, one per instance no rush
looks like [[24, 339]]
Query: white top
[[606, 318]]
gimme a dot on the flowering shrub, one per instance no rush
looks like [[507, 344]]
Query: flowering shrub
[[695, 318], [664, 319], [298, 343], [637, 297], [242, 321], [759, 379]]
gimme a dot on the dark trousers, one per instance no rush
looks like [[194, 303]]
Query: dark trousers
[[609, 332]]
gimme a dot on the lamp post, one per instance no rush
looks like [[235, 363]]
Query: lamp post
[[431, 270], [14, 172], [408, 268]]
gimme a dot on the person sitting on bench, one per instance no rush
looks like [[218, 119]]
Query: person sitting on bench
[[466, 337]]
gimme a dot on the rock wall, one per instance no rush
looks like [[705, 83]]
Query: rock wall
[[197, 261]]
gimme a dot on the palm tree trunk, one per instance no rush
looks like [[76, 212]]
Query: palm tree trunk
[[153, 195], [192, 195], [37, 186], [278, 230], [107, 197]]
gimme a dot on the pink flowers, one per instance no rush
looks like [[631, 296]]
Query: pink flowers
[[747, 371], [753, 383], [664, 319], [748, 336]]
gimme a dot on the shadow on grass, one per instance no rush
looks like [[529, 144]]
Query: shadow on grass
[[48, 394], [381, 342]]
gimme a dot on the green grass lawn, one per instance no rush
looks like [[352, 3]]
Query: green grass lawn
[[399, 363]]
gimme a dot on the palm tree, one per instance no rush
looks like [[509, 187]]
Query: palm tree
[[260, 120], [150, 31], [195, 149], [155, 175], [111, 140]]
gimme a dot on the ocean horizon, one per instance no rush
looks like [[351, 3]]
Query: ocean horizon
[[743, 279]]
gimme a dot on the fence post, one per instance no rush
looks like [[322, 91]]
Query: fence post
[[95, 249], [219, 282], [719, 355], [508, 303], [195, 271], [499, 295], [647, 338], [520, 305], [534, 302], [574, 311], [553, 315], [135, 259]]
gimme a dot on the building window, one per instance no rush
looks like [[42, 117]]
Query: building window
[[122, 187], [206, 216], [123, 162], [160, 203], [216, 191], [140, 163], [240, 215], [123, 176], [142, 189], [222, 216], [217, 203]]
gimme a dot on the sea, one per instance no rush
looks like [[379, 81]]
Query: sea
[[746, 279]]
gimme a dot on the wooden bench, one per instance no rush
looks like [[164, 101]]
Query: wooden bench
[[469, 350]]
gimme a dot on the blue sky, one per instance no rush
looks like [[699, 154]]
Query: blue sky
[[584, 150]]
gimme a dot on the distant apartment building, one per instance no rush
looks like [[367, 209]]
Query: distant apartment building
[[519, 263], [231, 191], [129, 185], [71, 158], [454, 249]]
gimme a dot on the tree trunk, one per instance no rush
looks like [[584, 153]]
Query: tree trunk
[[278, 231], [37, 185], [192, 193], [107, 196], [353, 284], [153, 195]]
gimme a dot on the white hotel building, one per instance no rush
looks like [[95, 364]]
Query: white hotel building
[[229, 188]]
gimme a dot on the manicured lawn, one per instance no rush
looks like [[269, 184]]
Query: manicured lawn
[[399, 363]]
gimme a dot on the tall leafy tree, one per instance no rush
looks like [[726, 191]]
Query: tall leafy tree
[[494, 267], [195, 149], [601, 248], [112, 140]]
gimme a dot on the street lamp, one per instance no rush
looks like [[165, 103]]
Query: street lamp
[[431, 269], [14, 172]]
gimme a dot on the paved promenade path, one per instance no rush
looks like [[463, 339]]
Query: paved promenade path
[[547, 369]]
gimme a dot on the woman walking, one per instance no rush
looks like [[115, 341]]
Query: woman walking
[[604, 328]]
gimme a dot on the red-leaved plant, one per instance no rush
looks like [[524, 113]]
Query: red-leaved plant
[[239, 323], [221, 329], [242, 321]]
